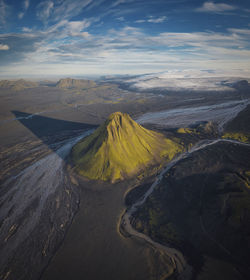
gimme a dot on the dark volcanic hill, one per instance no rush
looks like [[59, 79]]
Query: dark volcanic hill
[[121, 148], [203, 207], [69, 83]]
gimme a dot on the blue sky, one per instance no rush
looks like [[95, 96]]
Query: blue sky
[[99, 37]]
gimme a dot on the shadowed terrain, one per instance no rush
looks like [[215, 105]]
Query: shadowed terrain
[[202, 207], [39, 200], [46, 128]]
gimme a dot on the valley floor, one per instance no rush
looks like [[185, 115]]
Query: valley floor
[[93, 246]]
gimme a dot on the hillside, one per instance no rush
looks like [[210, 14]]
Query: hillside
[[202, 206], [239, 127], [69, 83], [17, 84], [121, 148]]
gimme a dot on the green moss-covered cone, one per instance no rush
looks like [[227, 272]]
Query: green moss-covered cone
[[120, 148]]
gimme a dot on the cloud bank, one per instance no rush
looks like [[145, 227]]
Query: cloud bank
[[187, 80]]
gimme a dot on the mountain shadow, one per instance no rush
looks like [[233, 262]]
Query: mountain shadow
[[50, 130]]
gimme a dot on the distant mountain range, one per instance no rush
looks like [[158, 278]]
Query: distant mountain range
[[121, 148], [66, 83], [144, 83], [17, 84]]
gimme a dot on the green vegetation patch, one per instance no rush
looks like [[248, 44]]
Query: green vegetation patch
[[121, 148], [184, 130], [239, 136]]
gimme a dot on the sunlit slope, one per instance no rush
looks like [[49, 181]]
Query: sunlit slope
[[239, 127], [121, 148]]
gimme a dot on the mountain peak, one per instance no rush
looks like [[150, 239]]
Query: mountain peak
[[118, 119], [121, 148], [116, 115]]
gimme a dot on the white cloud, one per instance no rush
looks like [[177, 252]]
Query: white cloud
[[44, 10], [211, 7], [77, 26], [21, 15], [84, 34], [240, 31], [119, 2], [65, 28], [152, 19], [3, 12], [55, 11], [157, 20], [26, 29], [120, 18], [140, 21], [202, 41], [4, 47], [69, 8], [26, 4]]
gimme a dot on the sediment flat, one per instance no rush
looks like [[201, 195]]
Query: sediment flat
[[93, 247]]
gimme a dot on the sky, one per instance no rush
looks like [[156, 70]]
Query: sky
[[108, 37]]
